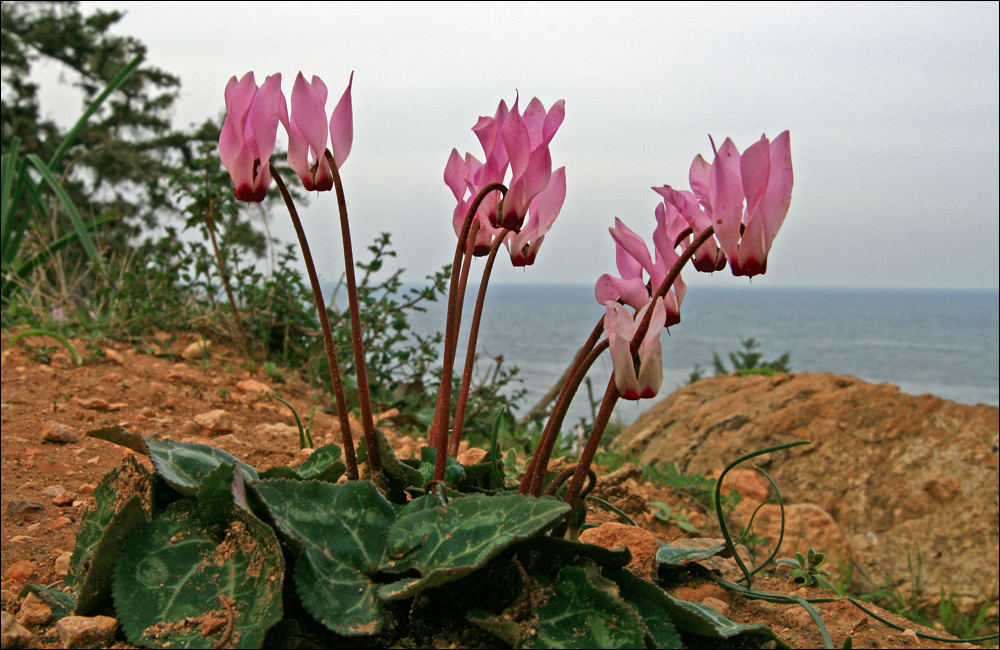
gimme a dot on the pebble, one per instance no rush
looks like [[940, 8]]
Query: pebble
[[53, 490], [64, 499], [20, 571], [59, 432], [24, 511], [196, 350], [13, 634], [81, 631], [61, 563], [718, 605], [60, 522], [216, 421], [252, 386], [92, 403], [34, 611], [114, 356]]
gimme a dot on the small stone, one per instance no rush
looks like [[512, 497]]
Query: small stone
[[53, 490], [60, 522], [112, 378], [216, 421], [61, 563], [190, 428], [471, 456], [640, 542], [147, 413], [34, 611], [196, 350], [59, 432], [80, 631], [718, 605], [92, 403], [64, 499], [17, 539], [24, 511], [92, 461], [114, 356], [301, 457], [252, 386], [276, 430], [13, 634], [20, 571]]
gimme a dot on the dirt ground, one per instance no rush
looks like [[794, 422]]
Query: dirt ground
[[185, 390]]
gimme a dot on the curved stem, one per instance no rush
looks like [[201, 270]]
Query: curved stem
[[442, 415], [442, 411], [360, 369], [350, 459], [611, 396], [470, 354], [535, 473]]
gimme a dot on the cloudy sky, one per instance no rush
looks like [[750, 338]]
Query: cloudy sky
[[892, 108]]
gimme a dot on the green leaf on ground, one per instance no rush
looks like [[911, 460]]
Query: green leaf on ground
[[122, 501], [448, 543], [180, 584], [585, 611], [341, 529]]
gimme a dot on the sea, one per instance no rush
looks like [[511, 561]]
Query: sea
[[941, 342]]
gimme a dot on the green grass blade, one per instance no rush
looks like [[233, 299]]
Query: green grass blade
[[115, 83], [71, 211]]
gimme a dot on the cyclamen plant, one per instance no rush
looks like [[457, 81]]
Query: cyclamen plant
[[360, 546]]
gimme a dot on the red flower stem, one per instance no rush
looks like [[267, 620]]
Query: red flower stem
[[554, 425], [547, 440], [442, 411], [611, 396], [360, 368], [470, 354], [449, 334], [331, 352], [442, 415], [558, 412]]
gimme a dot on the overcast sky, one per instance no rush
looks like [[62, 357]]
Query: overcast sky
[[892, 108]]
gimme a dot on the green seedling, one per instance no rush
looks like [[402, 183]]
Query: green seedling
[[808, 569], [664, 513]]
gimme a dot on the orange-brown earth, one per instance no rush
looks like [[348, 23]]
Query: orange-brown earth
[[183, 390]]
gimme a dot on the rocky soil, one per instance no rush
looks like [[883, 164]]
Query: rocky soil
[[188, 390], [895, 484]]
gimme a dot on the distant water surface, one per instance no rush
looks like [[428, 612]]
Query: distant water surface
[[924, 341]]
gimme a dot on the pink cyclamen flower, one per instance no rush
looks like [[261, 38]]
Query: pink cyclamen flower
[[526, 143], [308, 130], [747, 197], [633, 259], [519, 142], [635, 377], [709, 257], [248, 133], [542, 212]]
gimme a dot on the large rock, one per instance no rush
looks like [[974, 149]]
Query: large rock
[[910, 481]]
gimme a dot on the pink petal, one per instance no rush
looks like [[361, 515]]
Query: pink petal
[[698, 177], [342, 127], [553, 120], [726, 196], [455, 174], [619, 326], [633, 245], [755, 168], [774, 205]]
